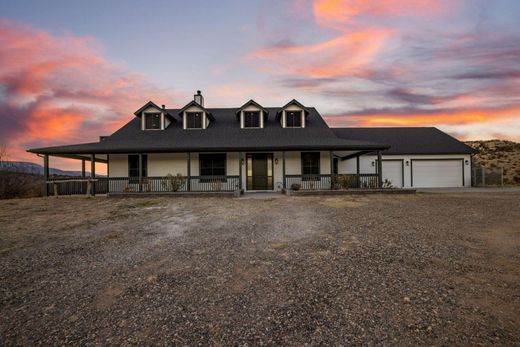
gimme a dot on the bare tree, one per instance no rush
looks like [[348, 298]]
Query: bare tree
[[3, 154], [16, 184]]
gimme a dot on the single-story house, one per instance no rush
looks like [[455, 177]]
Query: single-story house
[[257, 148]]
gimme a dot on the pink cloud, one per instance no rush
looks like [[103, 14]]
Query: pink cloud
[[60, 89], [337, 13]]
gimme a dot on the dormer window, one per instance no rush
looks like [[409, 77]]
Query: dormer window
[[153, 117], [293, 119], [293, 115], [194, 120], [152, 121], [252, 115], [252, 119]]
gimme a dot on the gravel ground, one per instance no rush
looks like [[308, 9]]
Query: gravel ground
[[426, 269]]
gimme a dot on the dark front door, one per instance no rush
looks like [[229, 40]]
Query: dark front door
[[260, 171]]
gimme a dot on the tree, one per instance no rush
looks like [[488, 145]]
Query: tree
[[3, 154]]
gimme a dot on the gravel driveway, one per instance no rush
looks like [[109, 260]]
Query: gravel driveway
[[425, 269]]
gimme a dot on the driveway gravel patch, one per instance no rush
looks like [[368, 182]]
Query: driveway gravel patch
[[426, 269]]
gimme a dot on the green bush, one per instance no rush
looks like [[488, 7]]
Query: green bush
[[173, 183], [344, 181]]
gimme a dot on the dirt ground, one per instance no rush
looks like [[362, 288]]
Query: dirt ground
[[422, 269]]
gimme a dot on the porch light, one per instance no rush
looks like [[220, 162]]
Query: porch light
[[242, 161], [373, 163], [407, 163], [276, 161]]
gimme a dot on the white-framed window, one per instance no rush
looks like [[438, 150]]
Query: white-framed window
[[152, 121], [293, 119], [194, 120], [252, 119]]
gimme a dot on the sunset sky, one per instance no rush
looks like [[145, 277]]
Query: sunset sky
[[71, 71]]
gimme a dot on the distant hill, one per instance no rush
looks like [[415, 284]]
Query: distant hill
[[499, 153], [34, 169]]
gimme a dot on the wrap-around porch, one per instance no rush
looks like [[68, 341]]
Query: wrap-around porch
[[215, 172]]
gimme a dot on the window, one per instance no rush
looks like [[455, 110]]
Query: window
[[252, 119], [133, 167], [194, 120], [293, 119], [212, 164], [152, 121], [335, 163], [311, 164]]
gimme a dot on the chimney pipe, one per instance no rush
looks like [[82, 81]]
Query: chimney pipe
[[163, 107], [198, 98]]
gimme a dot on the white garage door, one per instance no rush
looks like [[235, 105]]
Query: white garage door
[[437, 173], [393, 171]]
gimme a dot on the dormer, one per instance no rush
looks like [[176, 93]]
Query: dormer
[[292, 115], [194, 115], [154, 117], [251, 115]]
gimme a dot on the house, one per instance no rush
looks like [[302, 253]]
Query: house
[[257, 148]]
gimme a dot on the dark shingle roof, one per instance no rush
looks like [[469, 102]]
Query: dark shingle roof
[[408, 140], [223, 134]]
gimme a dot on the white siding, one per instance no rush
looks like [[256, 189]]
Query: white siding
[[162, 164], [118, 165]]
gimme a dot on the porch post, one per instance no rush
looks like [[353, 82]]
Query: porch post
[[357, 172], [93, 172], [283, 169], [82, 167], [46, 174], [331, 170], [380, 169], [240, 170], [188, 186], [140, 172]]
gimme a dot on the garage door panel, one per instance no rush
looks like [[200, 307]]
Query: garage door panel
[[393, 172], [437, 173]]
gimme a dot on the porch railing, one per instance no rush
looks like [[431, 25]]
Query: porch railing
[[76, 185], [173, 184], [321, 182]]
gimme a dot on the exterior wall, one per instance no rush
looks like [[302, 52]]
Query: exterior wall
[[162, 164], [118, 164], [349, 166]]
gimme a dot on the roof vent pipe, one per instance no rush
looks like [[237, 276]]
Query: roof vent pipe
[[199, 99], [163, 107]]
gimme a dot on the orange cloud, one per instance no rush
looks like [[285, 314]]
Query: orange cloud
[[331, 13], [60, 89], [347, 54], [417, 118]]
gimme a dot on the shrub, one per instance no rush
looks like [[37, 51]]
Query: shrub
[[295, 186], [174, 183], [345, 181], [20, 185]]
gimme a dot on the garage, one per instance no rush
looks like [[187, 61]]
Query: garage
[[393, 172], [437, 173]]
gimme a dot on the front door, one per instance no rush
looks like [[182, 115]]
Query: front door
[[260, 171]]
